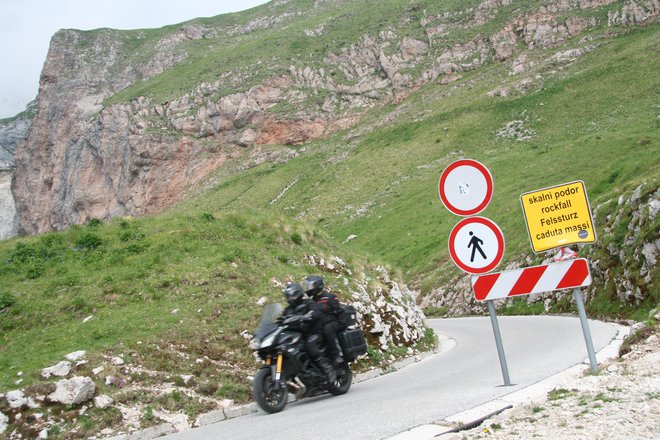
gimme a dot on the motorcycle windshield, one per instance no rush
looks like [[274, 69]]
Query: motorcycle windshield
[[268, 322]]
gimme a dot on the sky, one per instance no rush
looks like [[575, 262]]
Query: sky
[[26, 27]]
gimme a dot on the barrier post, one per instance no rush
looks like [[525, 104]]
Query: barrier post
[[577, 294], [498, 342]]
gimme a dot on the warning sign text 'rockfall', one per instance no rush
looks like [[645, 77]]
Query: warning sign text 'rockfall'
[[558, 216]]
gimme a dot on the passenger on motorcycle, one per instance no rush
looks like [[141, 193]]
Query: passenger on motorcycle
[[328, 306], [311, 326]]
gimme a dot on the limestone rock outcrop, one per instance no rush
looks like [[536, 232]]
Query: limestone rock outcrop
[[8, 225], [12, 132]]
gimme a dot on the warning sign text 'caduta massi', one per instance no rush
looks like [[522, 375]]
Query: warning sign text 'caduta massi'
[[558, 216]]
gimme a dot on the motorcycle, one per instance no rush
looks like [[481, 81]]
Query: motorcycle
[[280, 343]]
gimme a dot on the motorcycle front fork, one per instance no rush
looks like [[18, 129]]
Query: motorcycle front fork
[[276, 370]]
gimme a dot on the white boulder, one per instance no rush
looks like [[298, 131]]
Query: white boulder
[[4, 421], [76, 355], [16, 399], [178, 421], [73, 391], [60, 370], [103, 401]]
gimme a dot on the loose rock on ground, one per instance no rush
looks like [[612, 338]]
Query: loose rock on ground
[[622, 401]]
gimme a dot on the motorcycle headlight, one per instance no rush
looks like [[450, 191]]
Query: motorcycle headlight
[[268, 340]]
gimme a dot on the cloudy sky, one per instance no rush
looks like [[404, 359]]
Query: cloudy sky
[[26, 27]]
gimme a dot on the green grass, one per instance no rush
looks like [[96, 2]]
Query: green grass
[[265, 51], [561, 393], [186, 282], [131, 274]]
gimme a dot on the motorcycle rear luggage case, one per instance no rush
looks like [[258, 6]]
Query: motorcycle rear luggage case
[[353, 344], [347, 316]]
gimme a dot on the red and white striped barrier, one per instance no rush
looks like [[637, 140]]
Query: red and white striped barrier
[[537, 279]]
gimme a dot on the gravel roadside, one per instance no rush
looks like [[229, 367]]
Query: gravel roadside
[[622, 401]]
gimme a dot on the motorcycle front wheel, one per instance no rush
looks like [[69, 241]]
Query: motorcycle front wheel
[[269, 396], [343, 382]]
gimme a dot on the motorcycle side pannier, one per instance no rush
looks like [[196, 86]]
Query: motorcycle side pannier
[[353, 344]]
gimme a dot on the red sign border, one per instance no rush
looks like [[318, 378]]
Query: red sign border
[[500, 243], [489, 184]]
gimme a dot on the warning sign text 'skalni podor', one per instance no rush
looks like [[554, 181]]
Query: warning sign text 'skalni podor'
[[558, 216]]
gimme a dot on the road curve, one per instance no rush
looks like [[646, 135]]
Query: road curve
[[469, 375]]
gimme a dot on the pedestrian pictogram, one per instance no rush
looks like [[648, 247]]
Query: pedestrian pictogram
[[466, 187], [476, 244]]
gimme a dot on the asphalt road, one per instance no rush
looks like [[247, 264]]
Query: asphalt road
[[466, 376]]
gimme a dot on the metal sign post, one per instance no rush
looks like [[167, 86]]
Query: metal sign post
[[577, 294], [498, 342], [476, 244], [545, 278], [556, 217]]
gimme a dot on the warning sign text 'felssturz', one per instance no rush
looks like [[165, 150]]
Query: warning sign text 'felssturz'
[[558, 216]]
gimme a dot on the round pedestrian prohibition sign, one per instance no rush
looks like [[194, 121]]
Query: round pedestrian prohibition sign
[[476, 244], [466, 187]]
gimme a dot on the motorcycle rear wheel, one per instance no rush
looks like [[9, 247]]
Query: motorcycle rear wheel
[[343, 382], [267, 394]]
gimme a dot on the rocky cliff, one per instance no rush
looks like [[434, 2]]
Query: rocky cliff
[[12, 132], [8, 225], [80, 160], [104, 143]]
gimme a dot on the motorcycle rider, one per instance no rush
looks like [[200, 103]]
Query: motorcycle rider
[[311, 326], [328, 306]]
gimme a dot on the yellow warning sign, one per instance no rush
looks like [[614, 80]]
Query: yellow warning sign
[[558, 216]]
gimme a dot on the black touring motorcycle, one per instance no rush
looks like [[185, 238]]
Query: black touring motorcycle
[[287, 366]]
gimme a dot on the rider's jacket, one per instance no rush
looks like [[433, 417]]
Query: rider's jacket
[[306, 307], [328, 305]]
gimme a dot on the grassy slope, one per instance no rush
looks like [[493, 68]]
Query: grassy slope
[[131, 274], [271, 50], [594, 120], [258, 54]]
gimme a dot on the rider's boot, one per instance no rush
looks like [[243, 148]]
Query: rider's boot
[[328, 369], [336, 352]]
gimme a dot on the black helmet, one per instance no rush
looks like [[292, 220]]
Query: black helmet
[[293, 293], [313, 284]]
